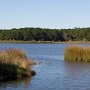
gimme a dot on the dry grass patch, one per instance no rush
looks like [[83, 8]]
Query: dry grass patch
[[15, 63], [77, 53]]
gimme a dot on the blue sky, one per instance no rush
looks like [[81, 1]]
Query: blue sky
[[44, 13]]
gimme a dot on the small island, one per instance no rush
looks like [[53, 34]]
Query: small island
[[77, 53], [14, 64]]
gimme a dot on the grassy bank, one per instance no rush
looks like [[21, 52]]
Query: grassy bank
[[14, 64], [77, 53], [52, 42], [16, 41]]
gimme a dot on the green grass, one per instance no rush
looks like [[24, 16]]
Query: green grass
[[14, 64], [77, 53]]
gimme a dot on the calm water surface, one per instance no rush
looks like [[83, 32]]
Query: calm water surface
[[53, 73]]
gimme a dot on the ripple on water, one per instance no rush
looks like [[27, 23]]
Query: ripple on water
[[53, 73]]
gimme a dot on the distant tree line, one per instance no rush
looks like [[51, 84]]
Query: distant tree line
[[39, 34]]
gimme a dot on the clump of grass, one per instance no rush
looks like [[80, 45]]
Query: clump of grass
[[77, 53], [14, 64]]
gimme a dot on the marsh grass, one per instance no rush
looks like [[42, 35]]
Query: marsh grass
[[77, 53], [14, 64]]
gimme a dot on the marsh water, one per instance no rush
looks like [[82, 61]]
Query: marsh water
[[52, 72]]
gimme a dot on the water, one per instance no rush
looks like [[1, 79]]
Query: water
[[53, 73]]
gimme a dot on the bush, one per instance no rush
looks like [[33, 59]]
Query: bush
[[14, 64]]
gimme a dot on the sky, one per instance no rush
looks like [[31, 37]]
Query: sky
[[54, 14]]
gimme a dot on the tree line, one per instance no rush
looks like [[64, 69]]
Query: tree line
[[44, 34]]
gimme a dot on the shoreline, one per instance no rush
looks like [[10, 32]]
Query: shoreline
[[46, 42]]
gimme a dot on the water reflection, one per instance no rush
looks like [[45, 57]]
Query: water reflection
[[22, 84], [76, 75], [52, 72]]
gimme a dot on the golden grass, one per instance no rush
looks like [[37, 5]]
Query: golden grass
[[14, 56], [77, 53], [15, 63]]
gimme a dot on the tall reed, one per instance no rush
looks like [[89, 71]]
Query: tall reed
[[77, 53]]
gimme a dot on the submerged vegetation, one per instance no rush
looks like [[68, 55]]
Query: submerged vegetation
[[14, 64], [77, 53], [45, 34]]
